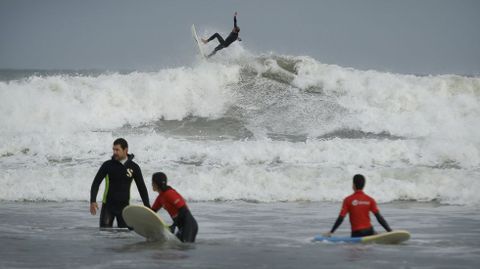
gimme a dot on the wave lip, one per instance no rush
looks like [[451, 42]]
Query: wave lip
[[446, 106], [284, 95]]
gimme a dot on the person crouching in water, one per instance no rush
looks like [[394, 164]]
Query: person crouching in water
[[176, 206]]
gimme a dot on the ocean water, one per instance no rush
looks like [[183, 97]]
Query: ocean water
[[238, 235], [237, 134]]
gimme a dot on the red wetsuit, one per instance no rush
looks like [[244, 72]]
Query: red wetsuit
[[171, 201], [359, 205]]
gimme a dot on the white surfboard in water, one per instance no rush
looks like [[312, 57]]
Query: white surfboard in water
[[198, 42], [147, 223]]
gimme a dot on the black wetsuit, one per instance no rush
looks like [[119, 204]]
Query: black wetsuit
[[232, 37], [187, 226], [362, 233], [118, 179]]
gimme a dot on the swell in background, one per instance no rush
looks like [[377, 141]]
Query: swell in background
[[262, 128]]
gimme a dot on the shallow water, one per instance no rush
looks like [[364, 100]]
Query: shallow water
[[238, 235]]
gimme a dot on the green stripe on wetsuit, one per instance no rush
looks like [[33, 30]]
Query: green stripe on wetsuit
[[105, 193]]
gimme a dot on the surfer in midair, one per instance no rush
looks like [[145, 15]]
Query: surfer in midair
[[232, 37]]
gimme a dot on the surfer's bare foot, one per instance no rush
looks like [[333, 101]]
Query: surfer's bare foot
[[204, 41]]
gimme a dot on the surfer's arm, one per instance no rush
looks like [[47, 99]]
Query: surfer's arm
[[157, 205], [235, 20], [142, 189], [337, 224], [101, 174], [380, 219], [341, 216], [382, 222]]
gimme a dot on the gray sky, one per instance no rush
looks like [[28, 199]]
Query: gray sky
[[406, 36]]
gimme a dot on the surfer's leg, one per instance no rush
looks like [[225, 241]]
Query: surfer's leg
[[362, 233], [106, 217], [217, 36], [120, 221], [219, 47], [189, 229], [117, 212], [179, 235]]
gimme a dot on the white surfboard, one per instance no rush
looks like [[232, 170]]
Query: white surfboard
[[393, 237], [198, 42], [147, 223]]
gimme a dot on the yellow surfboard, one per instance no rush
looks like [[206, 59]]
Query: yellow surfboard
[[393, 237]]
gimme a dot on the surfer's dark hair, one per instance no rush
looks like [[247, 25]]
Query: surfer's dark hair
[[122, 142], [160, 179], [359, 181]]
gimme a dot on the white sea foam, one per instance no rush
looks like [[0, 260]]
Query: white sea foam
[[74, 103], [425, 142], [261, 170], [445, 107]]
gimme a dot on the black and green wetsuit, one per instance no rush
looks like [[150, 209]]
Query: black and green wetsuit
[[118, 179]]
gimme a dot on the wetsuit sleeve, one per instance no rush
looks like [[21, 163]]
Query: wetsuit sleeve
[[235, 21], [101, 174], [343, 213], [337, 224], [157, 205], [383, 222], [374, 207], [142, 189], [344, 210]]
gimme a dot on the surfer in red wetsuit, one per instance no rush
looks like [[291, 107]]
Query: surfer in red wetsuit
[[176, 207], [359, 205]]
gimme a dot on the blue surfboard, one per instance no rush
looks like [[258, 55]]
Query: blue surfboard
[[338, 239]]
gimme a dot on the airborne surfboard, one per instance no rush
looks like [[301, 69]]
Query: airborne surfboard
[[147, 223], [393, 237], [198, 42]]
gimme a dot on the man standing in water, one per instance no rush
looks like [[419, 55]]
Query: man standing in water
[[232, 37], [359, 205], [119, 172]]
